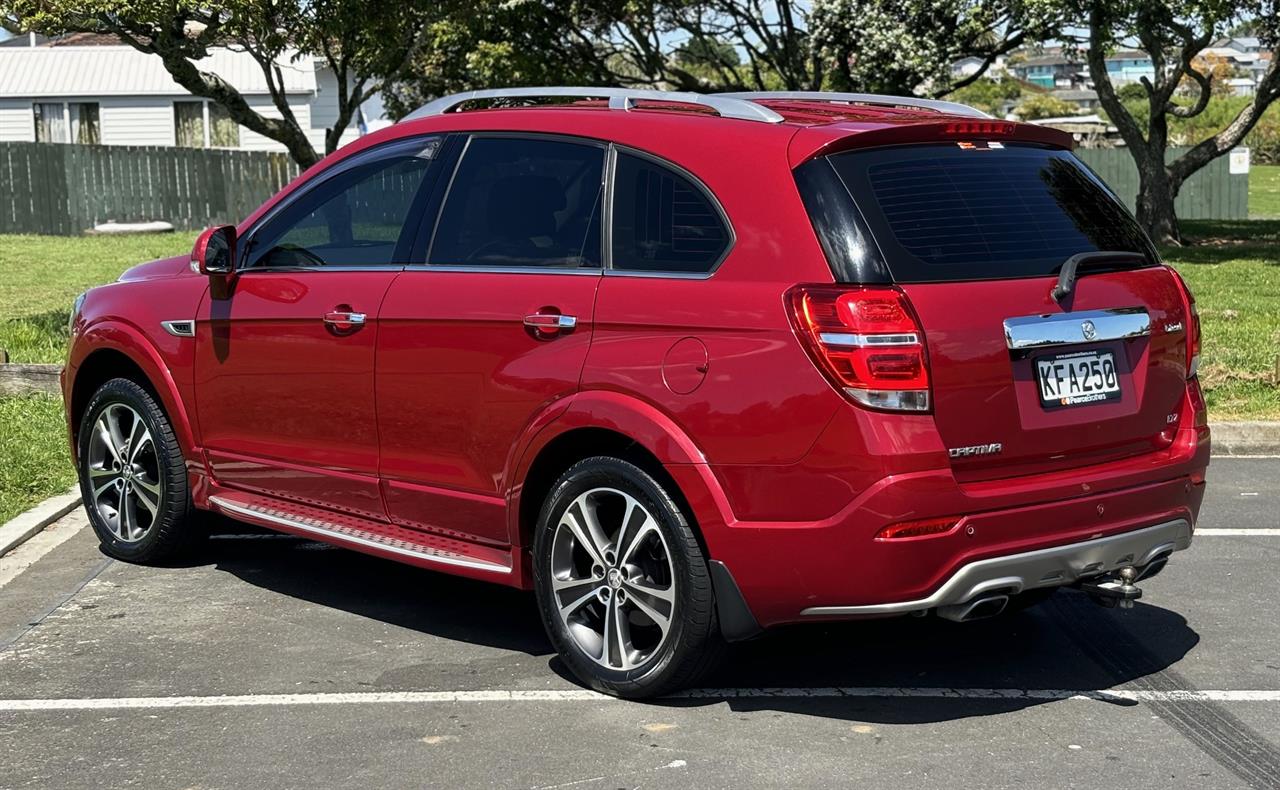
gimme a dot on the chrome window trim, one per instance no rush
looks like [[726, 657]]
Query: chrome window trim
[[1067, 329]]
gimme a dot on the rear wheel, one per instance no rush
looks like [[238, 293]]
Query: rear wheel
[[622, 584], [133, 477]]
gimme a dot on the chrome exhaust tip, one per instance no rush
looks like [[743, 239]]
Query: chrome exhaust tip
[[977, 609]]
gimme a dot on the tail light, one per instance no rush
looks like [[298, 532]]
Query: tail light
[[1193, 325], [867, 341]]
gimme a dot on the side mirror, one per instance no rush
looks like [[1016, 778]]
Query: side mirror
[[214, 253]]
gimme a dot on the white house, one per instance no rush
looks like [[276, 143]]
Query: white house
[[92, 89]]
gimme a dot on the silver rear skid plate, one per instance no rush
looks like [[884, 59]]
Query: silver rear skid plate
[[1052, 567]]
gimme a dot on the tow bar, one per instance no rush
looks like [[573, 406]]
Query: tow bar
[[1116, 590]]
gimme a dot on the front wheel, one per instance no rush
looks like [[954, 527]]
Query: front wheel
[[133, 477], [622, 584]]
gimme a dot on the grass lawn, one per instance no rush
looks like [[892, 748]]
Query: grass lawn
[[1264, 192], [1233, 268], [34, 463], [41, 275]]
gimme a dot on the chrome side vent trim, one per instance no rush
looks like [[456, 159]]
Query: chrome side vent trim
[[183, 328]]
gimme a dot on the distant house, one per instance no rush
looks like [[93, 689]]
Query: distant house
[[92, 89], [1053, 69], [1130, 66]]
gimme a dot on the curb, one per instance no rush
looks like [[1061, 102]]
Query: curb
[[26, 525], [1245, 438]]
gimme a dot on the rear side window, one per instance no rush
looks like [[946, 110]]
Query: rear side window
[[523, 202], [946, 212], [662, 221]]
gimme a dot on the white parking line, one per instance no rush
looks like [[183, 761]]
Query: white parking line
[[582, 695], [1264, 532]]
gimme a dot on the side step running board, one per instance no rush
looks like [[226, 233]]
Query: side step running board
[[323, 525]]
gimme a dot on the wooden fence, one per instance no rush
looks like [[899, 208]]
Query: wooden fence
[[67, 189], [1212, 193]]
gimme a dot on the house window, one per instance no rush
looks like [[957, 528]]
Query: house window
[[86, 129], [67, 122], [51, 122], [188, 124], [223, 132], [204, 124]]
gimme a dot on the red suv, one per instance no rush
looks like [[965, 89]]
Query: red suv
[[687, 366]]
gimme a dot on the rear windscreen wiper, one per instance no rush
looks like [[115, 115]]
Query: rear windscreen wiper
[[1067, 276]]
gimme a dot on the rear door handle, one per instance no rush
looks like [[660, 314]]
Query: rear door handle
[[550, 324]]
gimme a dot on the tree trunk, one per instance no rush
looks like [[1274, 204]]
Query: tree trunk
[[1156, 193]]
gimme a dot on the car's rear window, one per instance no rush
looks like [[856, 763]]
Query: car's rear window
[[952, 212]]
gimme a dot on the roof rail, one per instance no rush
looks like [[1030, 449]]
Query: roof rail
[[619, 99], [953, 108]]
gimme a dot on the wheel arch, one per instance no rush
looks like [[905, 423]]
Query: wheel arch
[[121, 351]]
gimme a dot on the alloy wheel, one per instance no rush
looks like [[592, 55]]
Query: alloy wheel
[[124, 473], [612, 579]]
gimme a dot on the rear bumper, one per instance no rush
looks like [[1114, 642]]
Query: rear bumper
[[1051, 567], [1021, 530]]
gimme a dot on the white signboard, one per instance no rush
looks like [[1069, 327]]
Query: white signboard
[[1238, 162]]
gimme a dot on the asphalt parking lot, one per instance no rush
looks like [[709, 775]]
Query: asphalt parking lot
[[277, 662]]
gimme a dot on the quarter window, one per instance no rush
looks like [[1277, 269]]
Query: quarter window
[[662, 221], [354, 218], [522, 202]]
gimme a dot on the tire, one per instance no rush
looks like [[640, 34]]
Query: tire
[[660, 553], [156, 478]]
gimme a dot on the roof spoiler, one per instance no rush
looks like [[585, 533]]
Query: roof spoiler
[[829, 139]]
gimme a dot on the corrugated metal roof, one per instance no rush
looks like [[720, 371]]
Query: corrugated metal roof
[[124, 71]]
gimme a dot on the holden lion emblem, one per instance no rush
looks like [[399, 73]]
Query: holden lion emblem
[[1090, 331]]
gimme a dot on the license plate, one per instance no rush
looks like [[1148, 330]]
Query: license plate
[[1076, 379]]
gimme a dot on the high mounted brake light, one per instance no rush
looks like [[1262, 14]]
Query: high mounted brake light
[[867, 341], [979, 128]]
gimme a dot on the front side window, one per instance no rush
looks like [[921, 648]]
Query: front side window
[[354, 218], [522, 202], [662, 221]]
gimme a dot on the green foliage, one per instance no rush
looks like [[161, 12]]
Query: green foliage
[[990, 96], [41, 275], [1042, 105], [903, 46], [1264, 193], [1263, 140], [35, 461]]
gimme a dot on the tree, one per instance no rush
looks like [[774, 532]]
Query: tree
[[1042, 105], [1174, 34], [365, 44], [719, 45], [905, 46], [990, 96]]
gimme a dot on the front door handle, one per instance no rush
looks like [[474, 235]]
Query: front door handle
[[546, 324], [344, 319]]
